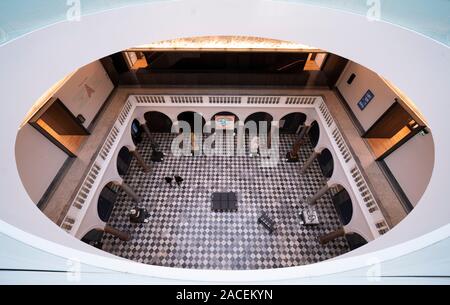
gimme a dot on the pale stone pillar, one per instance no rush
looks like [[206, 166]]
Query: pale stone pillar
[[292, 155], [130, 192], [146, 130], [140, 160], [323, 190], [309, 162]]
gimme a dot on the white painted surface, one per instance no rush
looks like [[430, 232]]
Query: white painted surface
[[365, 80], [86, 91], [412, 165], [38, 161], [79, 42]]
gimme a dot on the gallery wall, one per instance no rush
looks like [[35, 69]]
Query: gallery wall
[[38, 159], [86, 91], [412, 165], [365, 80]]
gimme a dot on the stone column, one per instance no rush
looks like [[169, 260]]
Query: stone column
[[149, 135], [130, 192], [292, 155], [331, 236], [273, 125], [240, 149], [296, 148], [304, 131], [146, 130], [309, 162], [123, 236], [312, 200], [140, 160]]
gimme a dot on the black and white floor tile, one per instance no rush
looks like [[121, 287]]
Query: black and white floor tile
[[183, 231]]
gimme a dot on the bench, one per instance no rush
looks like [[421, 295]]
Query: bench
[[224, 202], [267, 222]]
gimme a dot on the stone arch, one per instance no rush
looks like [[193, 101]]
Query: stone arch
[[158, 122], [343, 203], [314, 133], [136, 132], [124, 158], [190, 117], [355, 240], [225, 113], [291, 122], [326, 162], [260, 117]]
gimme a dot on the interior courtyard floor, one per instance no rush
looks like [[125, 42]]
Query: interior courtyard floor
[[57, 204], [184, 232]]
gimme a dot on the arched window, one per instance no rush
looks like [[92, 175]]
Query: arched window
[[326, 163], [136, 132], [158, 122], [291, 122], [123, 161], [226, 119], [355, 240], [314, 133], [343, 204], [93, 238], [106, 201], [258, 117], [192, 117]]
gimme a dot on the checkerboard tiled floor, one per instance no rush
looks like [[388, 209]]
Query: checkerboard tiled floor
[[184, 232]]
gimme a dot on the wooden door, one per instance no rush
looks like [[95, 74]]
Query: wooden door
[[61, 120], [390, 123]]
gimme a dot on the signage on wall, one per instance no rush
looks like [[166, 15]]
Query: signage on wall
[[365, 100], [89, 90]]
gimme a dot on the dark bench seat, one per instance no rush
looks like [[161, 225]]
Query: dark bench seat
[[224, 202], [267, 222]]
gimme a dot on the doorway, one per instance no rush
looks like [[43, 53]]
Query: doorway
[[391, 130], [60, 126]]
